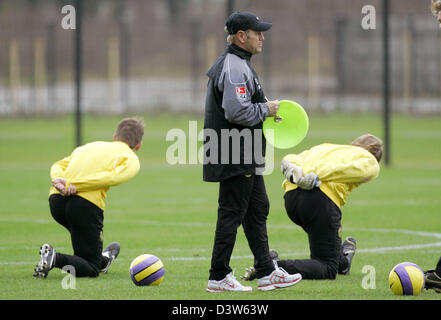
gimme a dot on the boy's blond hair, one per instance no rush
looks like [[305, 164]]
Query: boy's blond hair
[[435, 7], [371, 143], [130, 131]]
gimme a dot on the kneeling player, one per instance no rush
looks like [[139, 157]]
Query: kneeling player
[[77, 199], [317, 184]]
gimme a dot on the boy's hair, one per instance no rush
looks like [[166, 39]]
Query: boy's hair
[[130, 131], [371, 143], [435, 7]]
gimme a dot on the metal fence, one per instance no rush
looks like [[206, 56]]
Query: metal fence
[[141, 55]]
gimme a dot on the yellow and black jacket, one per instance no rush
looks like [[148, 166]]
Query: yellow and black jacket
[[96, 166], [340, 168]]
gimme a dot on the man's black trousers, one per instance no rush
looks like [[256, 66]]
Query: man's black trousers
[[84, 220], [321, 219], [242, 201]]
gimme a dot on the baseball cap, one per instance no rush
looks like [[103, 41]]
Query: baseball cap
[[245, 21]]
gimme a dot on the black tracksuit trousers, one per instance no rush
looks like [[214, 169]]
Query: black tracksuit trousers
[[242, 201], [321, 219], [84, 220]]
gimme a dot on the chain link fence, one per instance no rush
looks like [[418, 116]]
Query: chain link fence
[[143, 55]]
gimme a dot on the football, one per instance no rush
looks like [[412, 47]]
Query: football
[[406, 278], [147, 270]]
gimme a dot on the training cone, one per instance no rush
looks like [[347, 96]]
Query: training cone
[[289, 127]]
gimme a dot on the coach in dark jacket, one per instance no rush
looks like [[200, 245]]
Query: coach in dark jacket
[[234, 150]]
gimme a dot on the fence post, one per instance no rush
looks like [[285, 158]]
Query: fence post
[[313, 72], [229, 8], [14, 75], [439, 64], [114, 73], [267, 64], [414, 49], [125, 20], [340, 29], [386, 82], [39, 74], [407, 69], [51, 64], [78, 68], [195, 43], [210, 51]]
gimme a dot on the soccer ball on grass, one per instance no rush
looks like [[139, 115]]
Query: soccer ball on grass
[[147, 270], [406, 278]]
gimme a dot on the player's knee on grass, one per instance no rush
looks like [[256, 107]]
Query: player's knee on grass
[[332, 274], [88, 270], [331, 270], [95, 273]]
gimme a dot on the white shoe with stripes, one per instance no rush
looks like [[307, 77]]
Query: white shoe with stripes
[[229, 283], [279, 278]]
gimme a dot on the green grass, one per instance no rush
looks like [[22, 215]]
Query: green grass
[[170, 212]]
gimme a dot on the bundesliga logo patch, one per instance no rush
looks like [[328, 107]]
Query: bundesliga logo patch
[[241, 92]]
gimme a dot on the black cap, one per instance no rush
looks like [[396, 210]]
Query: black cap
[[245, 21]]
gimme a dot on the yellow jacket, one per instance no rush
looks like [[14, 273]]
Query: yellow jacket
[[96, 166], [340, 168]]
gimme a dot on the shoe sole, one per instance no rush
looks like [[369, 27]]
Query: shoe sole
[[432, 284], [274, 286], [353, 243], [437, 290], [223, 290], [106, 269], [38, 274], [112, 257], [113, 247], [44, 263], [250, 274]]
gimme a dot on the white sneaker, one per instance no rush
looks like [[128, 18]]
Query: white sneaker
[[229, 283], [279, 278]]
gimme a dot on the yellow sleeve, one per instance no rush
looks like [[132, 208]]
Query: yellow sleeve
[[357, 170], [125, 167], [58, 168], [336, 163]]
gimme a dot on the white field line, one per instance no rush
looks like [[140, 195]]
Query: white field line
[[289, 226], [382, 203], [270, 226], [288, 253], [303, 253], [400, 248]]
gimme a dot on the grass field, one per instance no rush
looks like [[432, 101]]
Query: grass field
[[170, 212]]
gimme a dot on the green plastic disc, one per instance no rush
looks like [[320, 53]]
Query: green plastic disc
[[289, 126]]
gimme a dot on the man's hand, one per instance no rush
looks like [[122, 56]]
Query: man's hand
[[71, 190], [309, 181], [60, 185], [291, 172], [273, 107]]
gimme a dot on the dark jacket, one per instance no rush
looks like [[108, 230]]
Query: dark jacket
[[234, 111]]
